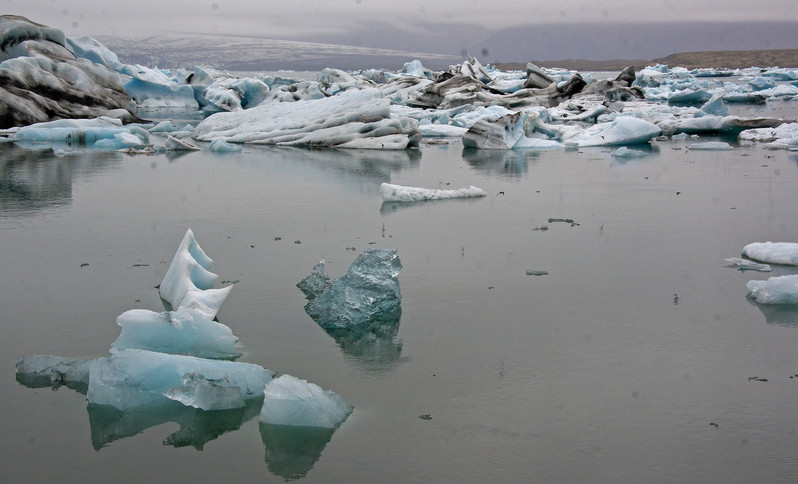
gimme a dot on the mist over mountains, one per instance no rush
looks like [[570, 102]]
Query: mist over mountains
[[387, 46]]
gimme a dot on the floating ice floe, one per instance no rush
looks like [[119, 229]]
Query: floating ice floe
[[711, 146], [625, 153], [101, 133], [368, 292], [624, 130], [291, 401], [776, 290], [222, 146], [783, 253], [398, 193], [131, 377], [351, 119], [188, 283], [186, 331], [784, 136], [46, 370], [747, 265]]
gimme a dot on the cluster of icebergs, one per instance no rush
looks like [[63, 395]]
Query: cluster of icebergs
[[183, 355], [371, 109], [775, 290]]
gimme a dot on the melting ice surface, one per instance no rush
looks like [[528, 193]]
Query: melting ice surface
[[368, 292], [291, 401], [131, 378]]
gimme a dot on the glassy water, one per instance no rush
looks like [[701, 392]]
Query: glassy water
[[632, 360]]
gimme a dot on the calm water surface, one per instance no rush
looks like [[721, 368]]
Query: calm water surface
[[631, 361]]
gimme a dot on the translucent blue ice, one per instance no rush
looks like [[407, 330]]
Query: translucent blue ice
[[368, 292], [291, 401]]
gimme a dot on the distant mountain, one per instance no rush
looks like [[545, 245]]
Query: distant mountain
[[258, 54], [630, 41]]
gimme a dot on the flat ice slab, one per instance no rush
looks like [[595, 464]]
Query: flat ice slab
[[131, 378], [776, 290], [784, 253], [291, 401], [398, 193], [748, 265]]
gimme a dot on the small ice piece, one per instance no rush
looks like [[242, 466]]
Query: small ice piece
[[188, 281], [368, 292], [711, 146], [747, 265], [199, 392], [222, 146], [776, 290], [175, 144], [783, 253], [626, 153], [398, 193], [289, 400], [130, 378], [45, 370], [186, 331], [316, 283]]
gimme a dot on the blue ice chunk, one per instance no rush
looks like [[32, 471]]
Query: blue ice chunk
[[291, 401], [222, 146], [44, 370], [316, 283], [131, 378], [776, 290], [368, 292], [199, 392], [185, 331]]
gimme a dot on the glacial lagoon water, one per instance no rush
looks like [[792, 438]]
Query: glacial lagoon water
[[636, 358]]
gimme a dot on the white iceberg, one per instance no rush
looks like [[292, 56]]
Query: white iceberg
[[185, 331], [188, 282], [130, 378], [626, 153], [294, 402], [624, 130], [351, 119], [398, 193], [783, 253], [776, 290], [102, 133]]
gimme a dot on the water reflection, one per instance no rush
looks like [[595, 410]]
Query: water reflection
[[33, 180], [197, 427], [292, 451], [782, 314], [374, 347], [509, 163], [390, 207]]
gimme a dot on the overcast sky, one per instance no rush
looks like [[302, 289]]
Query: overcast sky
[[298, 18]]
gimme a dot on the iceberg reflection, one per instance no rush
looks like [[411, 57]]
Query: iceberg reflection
[[292, 451]]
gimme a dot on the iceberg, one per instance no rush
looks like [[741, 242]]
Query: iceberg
[[783, 253], [188, 282], [42, 79], [368, 292], [294, 402], [186, 331], [131, 377], [222, 146], [624, 130], [398, 193], [153, 88], [625, 153], [776, 290], [351, 119]]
